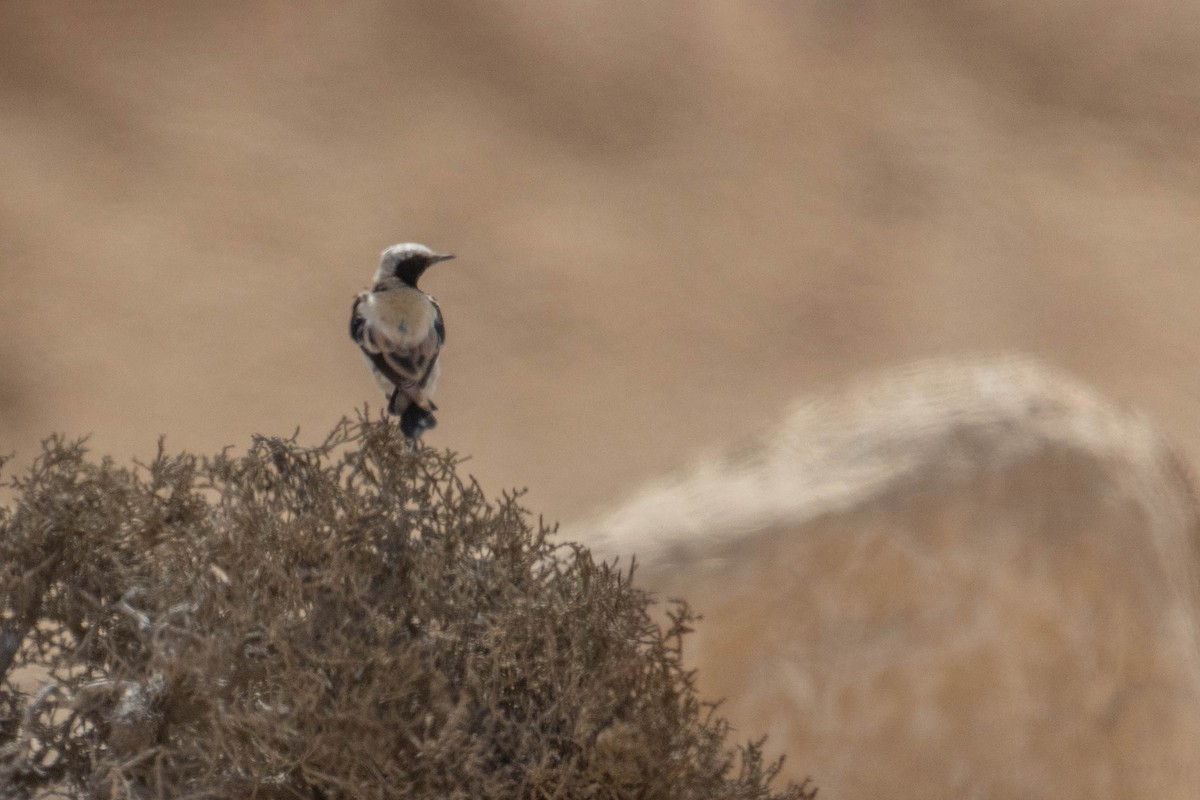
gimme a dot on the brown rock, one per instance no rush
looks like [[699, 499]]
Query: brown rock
[[956, 580]]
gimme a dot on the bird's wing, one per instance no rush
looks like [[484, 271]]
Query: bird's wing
[[356, 321], [401, 335], [439, 324]]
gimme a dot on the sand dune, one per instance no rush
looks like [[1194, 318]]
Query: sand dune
[[974, 579]]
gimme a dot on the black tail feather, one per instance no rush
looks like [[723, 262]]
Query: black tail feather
[[415, 421]]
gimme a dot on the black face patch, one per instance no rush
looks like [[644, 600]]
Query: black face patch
[[409, 270]]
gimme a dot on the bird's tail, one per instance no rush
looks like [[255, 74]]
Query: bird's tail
[[414, 420]]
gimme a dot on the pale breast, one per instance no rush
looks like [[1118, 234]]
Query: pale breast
[[403, 316]]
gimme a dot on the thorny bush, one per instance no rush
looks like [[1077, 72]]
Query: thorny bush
[[352, 620]]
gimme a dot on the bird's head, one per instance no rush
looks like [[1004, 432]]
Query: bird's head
[[407, 262]]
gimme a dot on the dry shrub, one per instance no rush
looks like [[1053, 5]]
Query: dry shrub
[[352, 620]]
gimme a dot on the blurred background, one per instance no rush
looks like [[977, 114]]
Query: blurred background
[[673, 220]]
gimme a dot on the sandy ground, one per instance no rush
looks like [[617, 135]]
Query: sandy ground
[[673, 220]]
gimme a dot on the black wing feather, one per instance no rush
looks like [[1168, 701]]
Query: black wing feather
[[384, 367], [439, 324], [356, 322]]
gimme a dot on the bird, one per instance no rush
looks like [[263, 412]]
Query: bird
[[400, 330]]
